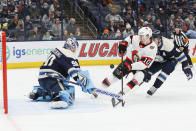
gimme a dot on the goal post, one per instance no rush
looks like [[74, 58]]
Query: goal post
[[3, 82]]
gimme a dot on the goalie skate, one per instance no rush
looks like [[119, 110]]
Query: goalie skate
[[58, 104]]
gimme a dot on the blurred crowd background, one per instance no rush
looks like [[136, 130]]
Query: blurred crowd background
[[28, 20]]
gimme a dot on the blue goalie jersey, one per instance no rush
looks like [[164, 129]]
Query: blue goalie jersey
[[61, 62]]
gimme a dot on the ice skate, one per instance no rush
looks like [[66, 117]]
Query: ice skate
[[152, 90]]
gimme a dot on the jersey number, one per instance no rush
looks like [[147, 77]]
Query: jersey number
[[50, 60], [74, 63]]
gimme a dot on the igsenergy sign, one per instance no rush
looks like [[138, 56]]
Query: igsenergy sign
[[88, 50]]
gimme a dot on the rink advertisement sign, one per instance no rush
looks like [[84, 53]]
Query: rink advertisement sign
[[90, 52]]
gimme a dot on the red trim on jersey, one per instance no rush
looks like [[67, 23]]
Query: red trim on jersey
[[127, 58], [147, 60], [135, 81], [142, 45], [146, 57], [123, 43], [144, 63], [129, 85], [128, 66]]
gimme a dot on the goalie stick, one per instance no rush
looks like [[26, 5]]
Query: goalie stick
[[96, 90]]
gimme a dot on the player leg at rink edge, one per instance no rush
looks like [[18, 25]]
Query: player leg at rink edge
[[139, 57], [61, 65]]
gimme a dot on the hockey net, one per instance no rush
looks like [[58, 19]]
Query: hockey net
[[3, 74]]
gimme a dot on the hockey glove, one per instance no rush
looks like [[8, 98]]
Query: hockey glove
[[147, 77], [123, 47], [85, 82], [188, 73]]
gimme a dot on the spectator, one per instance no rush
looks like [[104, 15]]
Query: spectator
[[129, 19], [47, 36], [113, 16], [29, 25], [56, 28], [66, 21], [58, 13], [24, 10], [54, 6], [4, 12], [171, 22], [191, 20], [48, 21], [14, 22], [78, 33], [35, 35], [44, 9], [65, 35], [159, 26], [111, 5], [181, 13], [11, 7], [35, 11], [153, 15], [20, 25], [149, 19], [105, 34], [71, 28], [118, 34], [128, 31], [121, 26], [112, 27]]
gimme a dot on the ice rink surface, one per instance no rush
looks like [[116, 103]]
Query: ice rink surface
[[172, 108]]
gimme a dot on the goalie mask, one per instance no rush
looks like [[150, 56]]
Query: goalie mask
[[71, 43]]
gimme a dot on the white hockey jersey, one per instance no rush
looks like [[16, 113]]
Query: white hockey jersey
[[141, 56]]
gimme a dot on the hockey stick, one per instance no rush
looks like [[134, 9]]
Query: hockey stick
[[119, 100], [96, 90]]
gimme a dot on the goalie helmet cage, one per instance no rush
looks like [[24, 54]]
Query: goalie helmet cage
[[4, 71]]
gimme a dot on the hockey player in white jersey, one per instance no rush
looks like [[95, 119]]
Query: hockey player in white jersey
[[55, 73], [141, 52]]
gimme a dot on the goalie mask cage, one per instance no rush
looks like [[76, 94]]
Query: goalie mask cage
[[3, 75]]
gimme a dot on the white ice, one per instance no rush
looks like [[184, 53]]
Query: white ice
[[172, 108]]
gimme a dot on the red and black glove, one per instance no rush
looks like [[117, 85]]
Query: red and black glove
[[123, 47]]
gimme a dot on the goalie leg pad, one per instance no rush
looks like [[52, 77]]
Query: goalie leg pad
[[39, 94], [68, 95], [122, 69]]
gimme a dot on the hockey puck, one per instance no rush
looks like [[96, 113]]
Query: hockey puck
[[111, 66]]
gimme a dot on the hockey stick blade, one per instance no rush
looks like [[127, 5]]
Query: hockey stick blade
[[114, 103]]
